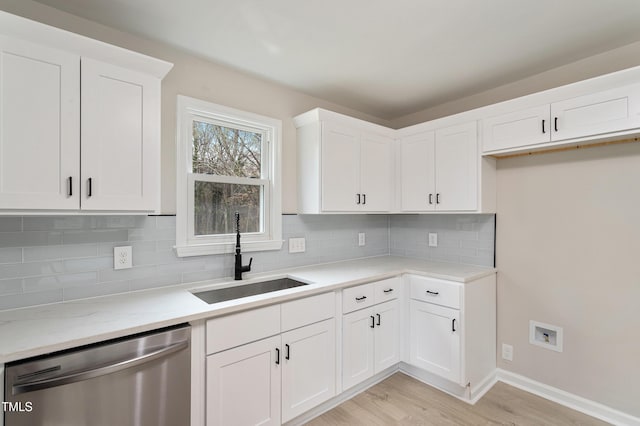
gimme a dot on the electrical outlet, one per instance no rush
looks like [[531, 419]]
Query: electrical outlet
[[361, 239], [297, 245], [433, 239], [507, 352], [122, 257]]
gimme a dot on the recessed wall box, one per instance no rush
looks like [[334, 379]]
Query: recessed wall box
[[545, 335]]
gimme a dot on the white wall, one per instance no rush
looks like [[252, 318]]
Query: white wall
[[198, 78], [568, 254]]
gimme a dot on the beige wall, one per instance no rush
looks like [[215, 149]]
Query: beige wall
[[568, 254], [201, 79]]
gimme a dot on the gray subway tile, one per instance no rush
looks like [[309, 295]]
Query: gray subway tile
[[11, 255], [10, 224], [58, 223], [32, 254], [154, 281], [95, 236], [30, 299], [49, 282], [95, 290], [27, 239], [11, 286]]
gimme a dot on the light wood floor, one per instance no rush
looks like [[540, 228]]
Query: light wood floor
[[402, 400]]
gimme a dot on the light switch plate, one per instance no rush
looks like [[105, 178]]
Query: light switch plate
[[297, 245], [433, 239], [122, 257], [362, 239]]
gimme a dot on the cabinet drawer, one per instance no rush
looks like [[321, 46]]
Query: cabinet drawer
[[440, 292], [386, 290], [298, 313], [244, 327], [358, 297]]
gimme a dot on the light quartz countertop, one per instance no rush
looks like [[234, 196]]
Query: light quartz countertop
[[43, 329]]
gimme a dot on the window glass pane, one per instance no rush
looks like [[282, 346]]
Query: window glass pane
[[226, 151], [215, 205]]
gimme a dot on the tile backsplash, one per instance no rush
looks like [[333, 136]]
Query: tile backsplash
[[51, 259], [462, 238]]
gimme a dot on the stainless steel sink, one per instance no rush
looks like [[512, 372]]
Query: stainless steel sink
[[236, 292]]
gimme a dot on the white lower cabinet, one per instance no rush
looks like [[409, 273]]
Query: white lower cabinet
[[435, 341], [452, 328], [243, 385], [308, 368], [370, 335], [275, 379]]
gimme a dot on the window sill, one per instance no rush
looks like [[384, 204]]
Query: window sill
[[222, 248]]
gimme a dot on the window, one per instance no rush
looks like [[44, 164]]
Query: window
[[228, 161]]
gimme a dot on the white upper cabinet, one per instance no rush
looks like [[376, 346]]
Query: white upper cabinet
[[457, 167], [120, 138], [603, 112], [376, 155], [39, 127], [340, 167], [79, 123], [565, 119], [344, 164], [521, 128], [439, 170], [417, 172]]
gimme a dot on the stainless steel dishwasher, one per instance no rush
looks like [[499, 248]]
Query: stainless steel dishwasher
[[141, 380]]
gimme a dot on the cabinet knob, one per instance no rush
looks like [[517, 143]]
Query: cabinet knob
[[389, 290], [435, 293], [361, 298]]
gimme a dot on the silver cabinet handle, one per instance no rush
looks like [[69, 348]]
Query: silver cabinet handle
[[82, 375]]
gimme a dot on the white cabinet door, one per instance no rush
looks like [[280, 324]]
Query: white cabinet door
[[375, 172], [39, 127], [602, 112], [522, 128], [435, 339], [120, 138], [417, 172], [387, 335], [340, 167], [357, 347], [457, 167], [309, 368], [243, 385]]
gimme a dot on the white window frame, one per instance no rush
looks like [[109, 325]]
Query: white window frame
[[188, 244]]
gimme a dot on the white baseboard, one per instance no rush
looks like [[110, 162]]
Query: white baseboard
[[586, 406], [344, 396]]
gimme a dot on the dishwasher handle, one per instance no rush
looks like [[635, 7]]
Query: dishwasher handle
[[90, 373]]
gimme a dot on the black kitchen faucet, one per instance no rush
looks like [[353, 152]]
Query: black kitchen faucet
[[239, 267]]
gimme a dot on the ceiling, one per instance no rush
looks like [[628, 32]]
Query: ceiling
[[387, 58]]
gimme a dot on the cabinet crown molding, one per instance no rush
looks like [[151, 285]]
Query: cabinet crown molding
[[39, 33]]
